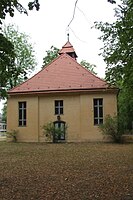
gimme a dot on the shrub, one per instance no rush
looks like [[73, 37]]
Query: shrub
[[13, 135], [51, 132], [110, 127]]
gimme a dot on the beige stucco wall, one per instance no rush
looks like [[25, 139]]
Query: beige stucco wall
[[78, 115], [30, 132]]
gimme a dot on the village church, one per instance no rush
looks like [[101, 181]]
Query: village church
[[65, 93]]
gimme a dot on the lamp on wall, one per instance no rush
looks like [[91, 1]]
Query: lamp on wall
[[58, 117]]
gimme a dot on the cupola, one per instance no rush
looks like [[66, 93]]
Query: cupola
[[68, 49]]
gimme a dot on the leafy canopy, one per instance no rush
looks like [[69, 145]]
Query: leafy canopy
[[90, 67], [50, 55], [54, 52], [118, 45], [7, 53], [118, 54], [9, 7], [23, 61]]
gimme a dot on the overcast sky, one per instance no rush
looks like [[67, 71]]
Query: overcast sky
[[49, 26]]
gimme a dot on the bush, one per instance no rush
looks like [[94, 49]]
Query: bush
[[110, 127], [51, 132], [12, 135]]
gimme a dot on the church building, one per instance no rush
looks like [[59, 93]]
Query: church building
[[66, 94]]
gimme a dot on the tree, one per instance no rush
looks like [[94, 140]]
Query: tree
[[7, 54], [7, 58], [50, 55], [24, 61], [9, 6], [54, 52], [90, 67], [21, 59], [118, 54], [111, 1]]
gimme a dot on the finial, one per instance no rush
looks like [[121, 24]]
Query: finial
[[68, 37]]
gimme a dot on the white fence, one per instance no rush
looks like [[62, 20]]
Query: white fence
[[2, 127]]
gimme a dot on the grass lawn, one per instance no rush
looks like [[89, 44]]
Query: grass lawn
[[66, 171]]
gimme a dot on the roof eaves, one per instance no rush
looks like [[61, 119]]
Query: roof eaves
[[66, 91]]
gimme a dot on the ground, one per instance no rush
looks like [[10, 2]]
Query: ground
[[80, 171]]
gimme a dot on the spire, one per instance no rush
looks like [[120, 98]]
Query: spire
[[68, 37], [68, 48]]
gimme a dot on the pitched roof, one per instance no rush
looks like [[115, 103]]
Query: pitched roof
[[67, 48], [63, 74]]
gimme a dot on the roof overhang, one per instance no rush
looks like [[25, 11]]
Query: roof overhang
[[74, 91]]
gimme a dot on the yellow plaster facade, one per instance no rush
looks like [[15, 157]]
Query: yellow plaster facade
[[78, 115]]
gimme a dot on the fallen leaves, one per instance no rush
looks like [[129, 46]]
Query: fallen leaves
[[66, 171]]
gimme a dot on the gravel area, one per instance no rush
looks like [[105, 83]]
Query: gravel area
[[75, 171]]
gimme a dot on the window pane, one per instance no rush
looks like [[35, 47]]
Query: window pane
[[100, 102], [95, 102], [20, 123], [20, 104], [24, 105], [61, 111], [100, 111], [95, 112], [58, 107], [95, 121], [101, 121], [56, 111], [61, 103], [22, 113], [24, 123], [56, 103]]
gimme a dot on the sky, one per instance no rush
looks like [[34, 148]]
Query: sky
[[49, 27]]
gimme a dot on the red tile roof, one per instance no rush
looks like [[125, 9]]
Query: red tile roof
[[63, 74], [67, 48]]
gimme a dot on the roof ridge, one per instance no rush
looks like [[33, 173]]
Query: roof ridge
[[64, 72]]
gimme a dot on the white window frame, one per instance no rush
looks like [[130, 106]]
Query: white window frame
[[98, 106], [22, 108], [59, 107]]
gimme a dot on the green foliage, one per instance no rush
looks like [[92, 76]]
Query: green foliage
[[7, 54], [24, 62], [118, 44], [87, 65], [51, 132], [118, 54], [9, 7], [12, 135], [110, 128], [7, 58], [125, 109], [33, 4], [50, 55], [111, 1]]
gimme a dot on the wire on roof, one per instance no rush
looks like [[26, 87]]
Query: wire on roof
[[76, 35], [68, 26], [83, 14], [73, 13]]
